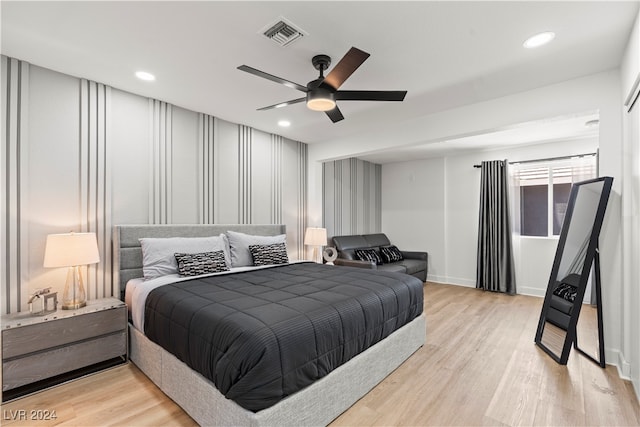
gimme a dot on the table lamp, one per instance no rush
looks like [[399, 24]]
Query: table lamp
[[315, 236], [72, 250]]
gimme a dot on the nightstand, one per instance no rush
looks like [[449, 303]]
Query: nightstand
[[38, 352]]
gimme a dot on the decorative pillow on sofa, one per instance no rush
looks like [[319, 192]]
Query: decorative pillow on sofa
[[158, 253], [368, 255], [269, 254], [568, 287], [201, 263], [390, 254], [566, 291], [239, 244]]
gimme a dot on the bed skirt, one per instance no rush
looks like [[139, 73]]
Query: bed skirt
[[317, 404]]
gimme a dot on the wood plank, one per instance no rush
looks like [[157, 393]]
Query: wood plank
[[479, 366]]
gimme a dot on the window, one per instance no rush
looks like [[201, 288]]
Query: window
[[542, 192]]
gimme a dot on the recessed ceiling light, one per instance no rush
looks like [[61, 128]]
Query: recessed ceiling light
[[143, 75], [284, 123], [539, 39]]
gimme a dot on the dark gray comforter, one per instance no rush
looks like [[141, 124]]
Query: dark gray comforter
[[263, 335]]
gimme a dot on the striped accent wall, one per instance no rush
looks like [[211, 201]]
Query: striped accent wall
[[355, 192], [14, 180], [276, 179], [337, 199], [375, 193], [302, 157], [351, 190], [82, 156], [160, 123], [207, 141], [245, 139], [95, 182]]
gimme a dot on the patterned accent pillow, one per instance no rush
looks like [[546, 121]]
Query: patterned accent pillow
[[239, 245], [566, 291], [390, 254], [368, 255], [158, 253], [275, 253], [201, 263]]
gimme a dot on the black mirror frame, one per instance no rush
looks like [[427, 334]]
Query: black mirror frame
[[592, 258]]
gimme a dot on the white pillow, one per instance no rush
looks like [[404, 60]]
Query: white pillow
[[158, 254], [239, 246]]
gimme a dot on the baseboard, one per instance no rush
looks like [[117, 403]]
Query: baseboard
[[532, 292], [624, 367], [471, 283], [452, 281]]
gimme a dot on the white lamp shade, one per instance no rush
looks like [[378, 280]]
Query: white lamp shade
[[71, 249], [315, 236]]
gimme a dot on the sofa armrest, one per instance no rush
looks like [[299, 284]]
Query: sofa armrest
[[355, 263], [415, 255]]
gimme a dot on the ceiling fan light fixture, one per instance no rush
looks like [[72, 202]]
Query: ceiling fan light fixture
[[321, 93], [321, 100]]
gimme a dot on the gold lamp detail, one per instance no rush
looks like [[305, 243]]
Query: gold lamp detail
[[72, 250]]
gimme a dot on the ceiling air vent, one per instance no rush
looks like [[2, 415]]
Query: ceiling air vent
[[283, 32]]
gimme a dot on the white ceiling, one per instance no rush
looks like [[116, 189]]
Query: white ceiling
[[583, 125], [444, 53]]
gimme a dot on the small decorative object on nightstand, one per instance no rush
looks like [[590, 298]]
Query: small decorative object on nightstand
[[72, 250], [42, 302], [330, 254], [315, 237]]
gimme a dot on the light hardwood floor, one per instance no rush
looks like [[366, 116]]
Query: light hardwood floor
[[478, 367]]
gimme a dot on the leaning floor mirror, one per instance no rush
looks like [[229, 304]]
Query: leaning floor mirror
[[576, 267]]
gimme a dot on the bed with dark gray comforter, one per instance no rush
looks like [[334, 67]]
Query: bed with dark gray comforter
[[278, 329]]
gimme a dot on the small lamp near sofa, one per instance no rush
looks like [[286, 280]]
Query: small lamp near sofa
[[72, 250], [315, 236]]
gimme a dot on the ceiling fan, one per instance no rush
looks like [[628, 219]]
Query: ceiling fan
[[323, 92]]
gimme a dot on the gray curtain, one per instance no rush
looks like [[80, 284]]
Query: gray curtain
[[495, 270]]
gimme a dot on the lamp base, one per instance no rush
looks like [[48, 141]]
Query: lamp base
[[74, 306], [74, 296], [316, 258]]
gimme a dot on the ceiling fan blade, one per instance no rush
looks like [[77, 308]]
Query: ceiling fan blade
[[283, 104], [370, 95], [335, 115], [343, 69], [273, 78]]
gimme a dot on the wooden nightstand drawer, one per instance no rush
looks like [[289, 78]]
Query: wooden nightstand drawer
[[41, 351], [32, 338], [26, 370]]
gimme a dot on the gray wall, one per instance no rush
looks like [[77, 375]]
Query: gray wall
[[432, 205], [351, 197], [630, 307], [81, 156]]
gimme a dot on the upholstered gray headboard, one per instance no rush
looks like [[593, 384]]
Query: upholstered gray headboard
[[127, 253]]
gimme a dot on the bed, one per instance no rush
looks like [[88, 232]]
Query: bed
[[317, 403]]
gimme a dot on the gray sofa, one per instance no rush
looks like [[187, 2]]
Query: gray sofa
[[414, 263]]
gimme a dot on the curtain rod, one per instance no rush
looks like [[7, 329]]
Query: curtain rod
[[548, 159]]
